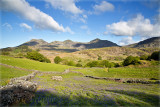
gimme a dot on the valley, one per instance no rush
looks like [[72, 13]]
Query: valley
[[89, 77], [76, 89]]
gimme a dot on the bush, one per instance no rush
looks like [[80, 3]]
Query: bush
[[155, 55], [57, 59], [78, 65], [93, 64], [37, 56], [71, 63], [143, 57], [131, 60], [104, 63]]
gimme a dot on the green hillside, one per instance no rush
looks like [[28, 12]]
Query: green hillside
[[7, 73], [31, 64], [76, 89]]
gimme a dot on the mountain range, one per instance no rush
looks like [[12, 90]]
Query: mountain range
[[68, 45], [148, 43], [72, 46]]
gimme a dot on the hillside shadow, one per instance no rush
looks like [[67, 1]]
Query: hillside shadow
[[49, 46], [47, 98], [98, 44], [61, 50], [149, 98], [31, 43]]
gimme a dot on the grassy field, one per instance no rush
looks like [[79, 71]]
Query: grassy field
[[75, 89], [124, 72], [8, 73], [30, 64]]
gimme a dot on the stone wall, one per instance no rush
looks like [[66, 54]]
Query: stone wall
[[18, 90]]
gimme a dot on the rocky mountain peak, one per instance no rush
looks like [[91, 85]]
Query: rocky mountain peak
[[95, 40]]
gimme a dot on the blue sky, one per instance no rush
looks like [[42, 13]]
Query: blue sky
[[120, 21]]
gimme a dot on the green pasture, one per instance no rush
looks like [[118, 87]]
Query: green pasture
[[31, 64], [8, 73], [124, 72]]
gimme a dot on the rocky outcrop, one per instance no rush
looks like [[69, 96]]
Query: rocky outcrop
[[18, 90]]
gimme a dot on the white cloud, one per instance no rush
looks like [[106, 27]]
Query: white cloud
[[24, 25], [7, 25], [82, 20], [126, 41], [104, 6], [65, 5], [84, 27], [67, 29], [136, 26], [85, 16], [39, 18]]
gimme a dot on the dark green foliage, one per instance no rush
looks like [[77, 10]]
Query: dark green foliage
[[130, 60], [143, 57], [71, 63], [93, 64], [155, 55], [78, 65], [104, 63], [99, 57], [57, 59], [37, 56]]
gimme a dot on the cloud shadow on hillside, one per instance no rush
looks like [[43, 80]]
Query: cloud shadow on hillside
[[46, 98], [149, 98]]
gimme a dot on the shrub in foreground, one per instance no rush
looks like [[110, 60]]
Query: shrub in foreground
[[130, 60], [155, 55], [57, 59], [34, 55]]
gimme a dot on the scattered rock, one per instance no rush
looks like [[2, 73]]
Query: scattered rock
[[57, 78]]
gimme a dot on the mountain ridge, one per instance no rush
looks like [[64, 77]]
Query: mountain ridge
[[147, 43], [68, 44]]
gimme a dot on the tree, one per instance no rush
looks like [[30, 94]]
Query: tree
[[57, 59], [155, 55], [131, 60], [104, 63], [34, 55], [93, 64]]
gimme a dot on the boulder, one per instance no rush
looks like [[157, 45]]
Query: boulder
[[57, 78]]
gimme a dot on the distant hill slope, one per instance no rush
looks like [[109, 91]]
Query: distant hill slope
[[153, 42], [109, 53], [68, 45]]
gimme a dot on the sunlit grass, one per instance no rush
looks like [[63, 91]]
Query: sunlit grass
[[8, 73], [30, 64], [124, 72]]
